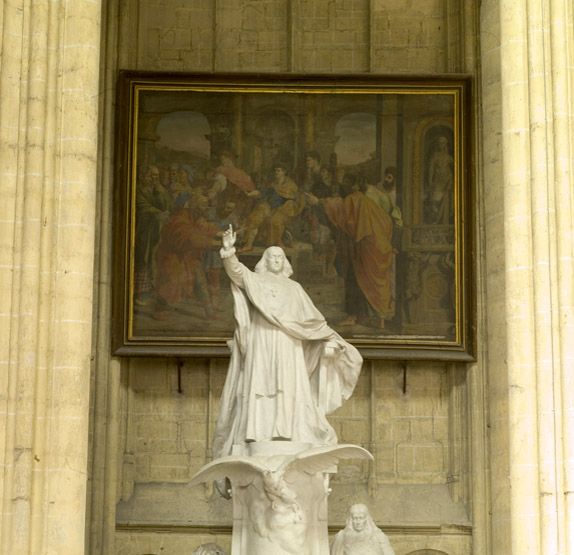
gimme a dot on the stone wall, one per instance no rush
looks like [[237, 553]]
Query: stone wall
[[507, 420], [318, 36], [148, 437], [415, 488]]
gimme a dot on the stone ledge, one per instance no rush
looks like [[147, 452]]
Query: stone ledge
[[408, 506], [395, 530]]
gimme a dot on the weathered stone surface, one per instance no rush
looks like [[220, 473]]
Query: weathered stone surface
[[143, 429]]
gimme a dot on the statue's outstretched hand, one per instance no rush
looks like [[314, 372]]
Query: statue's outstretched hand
[[331, 349], [229, 238]]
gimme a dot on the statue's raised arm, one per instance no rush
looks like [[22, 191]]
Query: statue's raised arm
[[229, 238]]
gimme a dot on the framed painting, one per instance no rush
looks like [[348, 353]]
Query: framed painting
[[365, 181]]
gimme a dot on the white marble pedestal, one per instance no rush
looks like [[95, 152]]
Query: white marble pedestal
[[279, 494]]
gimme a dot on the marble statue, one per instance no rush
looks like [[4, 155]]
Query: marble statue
[[288, 368], [361, 535], [274, 450], [280, 496]]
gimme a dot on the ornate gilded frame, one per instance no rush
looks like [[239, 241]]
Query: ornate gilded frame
[[420, 126]]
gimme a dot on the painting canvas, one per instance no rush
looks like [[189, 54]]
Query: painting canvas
[[365, 183]]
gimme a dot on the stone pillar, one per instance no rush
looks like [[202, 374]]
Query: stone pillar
[[48, 144], [531, 404], [279, 491]]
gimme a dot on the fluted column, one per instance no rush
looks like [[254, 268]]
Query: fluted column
[[535, 79], [561, 22], [48, 144]]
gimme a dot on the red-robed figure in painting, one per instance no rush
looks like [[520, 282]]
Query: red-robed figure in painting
[[180, 273], [365, 251], [234, 175]]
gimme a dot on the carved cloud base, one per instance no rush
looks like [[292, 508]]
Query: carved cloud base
[[279, 495]]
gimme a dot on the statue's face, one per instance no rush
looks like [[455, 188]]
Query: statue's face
[[358, 518], [275, 260]]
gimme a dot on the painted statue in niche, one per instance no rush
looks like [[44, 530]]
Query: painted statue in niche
[[330, 182], [429, 294], [440, 176]]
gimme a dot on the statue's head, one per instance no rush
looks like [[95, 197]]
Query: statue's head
[[275, 262], [442, 143], [359, 517]]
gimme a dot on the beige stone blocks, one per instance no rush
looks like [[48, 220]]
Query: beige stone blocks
[[420, 460], [170, 429], [412, 429], [176, 35], [413, 40], [281, 35], [133, 543], [227, 36], [410, 438], [169, 467], [332, 36], [252, 36]]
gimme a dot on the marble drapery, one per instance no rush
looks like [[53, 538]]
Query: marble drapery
[[281, 381]]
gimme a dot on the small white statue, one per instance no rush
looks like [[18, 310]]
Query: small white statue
[[361, 535], [288, 368]]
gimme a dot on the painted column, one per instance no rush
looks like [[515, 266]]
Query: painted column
[[48, 146]]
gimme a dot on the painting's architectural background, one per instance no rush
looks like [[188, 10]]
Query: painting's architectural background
[[474, 458]]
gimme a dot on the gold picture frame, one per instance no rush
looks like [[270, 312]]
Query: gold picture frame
[[365, 180]]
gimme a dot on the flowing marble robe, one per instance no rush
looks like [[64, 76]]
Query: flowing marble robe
[[353, 543], [280, 383]]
